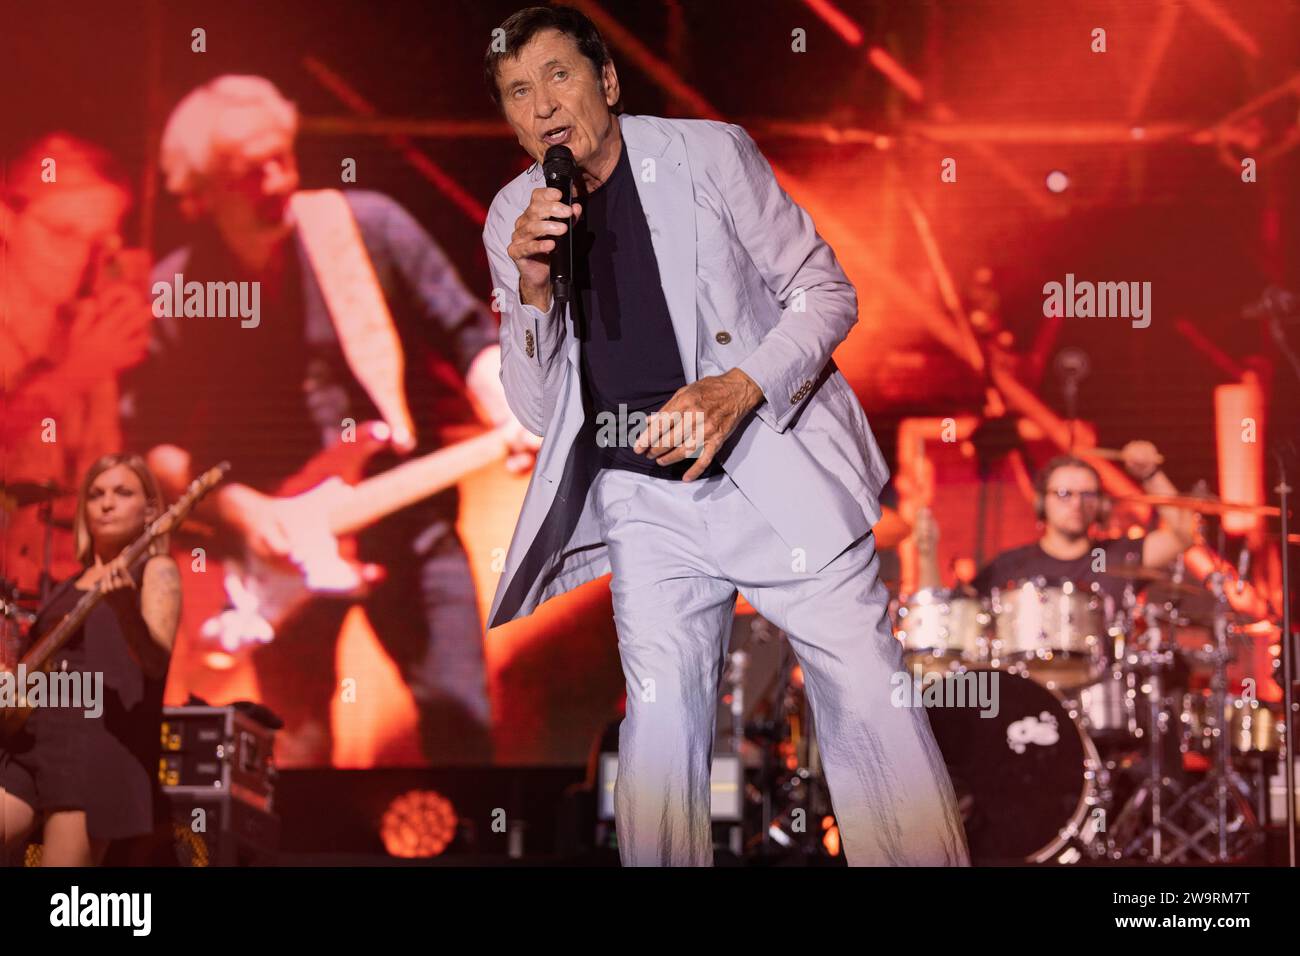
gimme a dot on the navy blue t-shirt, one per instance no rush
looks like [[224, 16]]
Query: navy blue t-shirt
[[629, 349]]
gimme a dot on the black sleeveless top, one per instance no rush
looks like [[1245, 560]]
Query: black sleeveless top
[[107, 764]]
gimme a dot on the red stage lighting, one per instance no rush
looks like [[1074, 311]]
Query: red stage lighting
[[418, 823]]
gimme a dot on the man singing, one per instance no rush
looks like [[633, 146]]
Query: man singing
[[702, 293]]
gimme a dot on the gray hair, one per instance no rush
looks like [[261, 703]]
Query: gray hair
[[189, 139]]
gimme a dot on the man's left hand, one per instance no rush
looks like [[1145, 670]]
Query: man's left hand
[[698, 419]]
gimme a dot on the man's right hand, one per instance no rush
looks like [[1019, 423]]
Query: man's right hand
[[255, 517], [531, 244]]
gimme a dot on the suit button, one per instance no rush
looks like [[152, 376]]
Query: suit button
[[722, 338]]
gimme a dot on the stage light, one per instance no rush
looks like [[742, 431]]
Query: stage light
[[837, 20], [1057, 181], [1238, 410], [830, 836], [418, 823]]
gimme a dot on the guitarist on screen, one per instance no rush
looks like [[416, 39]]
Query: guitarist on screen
[[356, 305]]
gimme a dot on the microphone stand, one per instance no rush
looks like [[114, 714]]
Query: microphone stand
[[1288, 667]]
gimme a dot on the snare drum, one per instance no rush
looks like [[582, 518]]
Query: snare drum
[[942, 629], [1056, 634]]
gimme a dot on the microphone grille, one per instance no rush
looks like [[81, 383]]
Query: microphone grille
[[558, 162]]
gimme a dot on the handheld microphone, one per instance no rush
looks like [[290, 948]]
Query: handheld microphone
[[560, 171]]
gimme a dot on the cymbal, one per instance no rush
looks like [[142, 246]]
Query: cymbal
[[1208, 506], [1142, 574], [24, 493], [891, 530], [1292, 538], [16, 594]]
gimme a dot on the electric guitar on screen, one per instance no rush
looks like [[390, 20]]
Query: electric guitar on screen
[[320, 508]]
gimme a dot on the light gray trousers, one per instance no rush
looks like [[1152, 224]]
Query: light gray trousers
[[679, 552]]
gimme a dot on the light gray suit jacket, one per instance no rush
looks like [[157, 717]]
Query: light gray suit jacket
[[749, 284]]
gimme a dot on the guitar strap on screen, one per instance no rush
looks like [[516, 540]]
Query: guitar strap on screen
[[356, 304]]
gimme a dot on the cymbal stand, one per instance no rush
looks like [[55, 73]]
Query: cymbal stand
[[1221, 799], [1149, 800], [1212, 820]]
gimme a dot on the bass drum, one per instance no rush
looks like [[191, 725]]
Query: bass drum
[[1026, 778]]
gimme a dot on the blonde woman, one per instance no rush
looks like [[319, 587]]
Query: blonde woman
[[89, 773]]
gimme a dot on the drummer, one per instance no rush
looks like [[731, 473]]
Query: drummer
[[1071, 507]]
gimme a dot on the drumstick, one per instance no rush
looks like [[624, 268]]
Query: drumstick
[[1112, 454]]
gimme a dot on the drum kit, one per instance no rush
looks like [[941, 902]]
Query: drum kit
[[18, 606], [16, 619], [1117, 736], [1114, 736]]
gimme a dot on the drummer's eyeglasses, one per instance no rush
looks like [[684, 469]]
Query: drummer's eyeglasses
[[1085, 497]]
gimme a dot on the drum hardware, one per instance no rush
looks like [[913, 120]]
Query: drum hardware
[[1183, 647], [765, 714], [43, 494], [15, 622], [1113, 709], [1212, 820], [1252, 726], [1166, 586], [20, 494], [793, 770]]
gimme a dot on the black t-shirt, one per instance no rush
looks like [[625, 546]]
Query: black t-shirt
[[1031, 561], [629, 349]]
